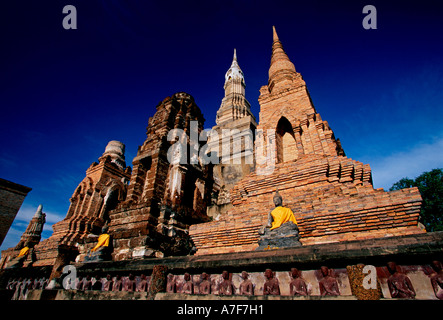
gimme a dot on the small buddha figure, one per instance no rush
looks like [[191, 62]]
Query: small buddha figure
[[98, 284], [328, 285], [17, 262], [297, 287], [437, 279], [143, 285], [31, 284], [205, 285], [80, 283], [107, 286], [130, 284], [188, 286], [246, 287], [23, 290], [18, 286], [11, 284], [271, 286], [118, 284], [37, 284], [226, 286], [399, 284], [87, 284], [171, 286]]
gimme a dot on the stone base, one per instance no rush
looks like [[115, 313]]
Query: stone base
[[286, 236], [15, 263], [182, 296], [98, 256]]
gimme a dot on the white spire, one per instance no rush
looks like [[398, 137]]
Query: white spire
[[38, 213], [234, 71]]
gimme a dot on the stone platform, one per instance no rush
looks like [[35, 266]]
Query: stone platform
[[406, 249], [412, 253]]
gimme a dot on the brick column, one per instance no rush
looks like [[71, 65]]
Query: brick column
[[158, 281], [356, 276]]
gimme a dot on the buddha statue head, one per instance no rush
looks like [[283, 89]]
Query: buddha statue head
[[278, 200]]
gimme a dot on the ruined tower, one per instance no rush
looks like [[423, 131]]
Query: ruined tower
[[33, 232], [30, 238], [233, 141], [169, 189], [100, 191], [332, 196]]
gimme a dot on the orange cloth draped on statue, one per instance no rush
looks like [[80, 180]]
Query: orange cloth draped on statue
[[282, 215], [103, 241], [23, 252]]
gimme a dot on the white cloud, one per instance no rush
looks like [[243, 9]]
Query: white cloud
[[421, 158]]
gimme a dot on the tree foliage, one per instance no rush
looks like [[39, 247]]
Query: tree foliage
[[430, 185]]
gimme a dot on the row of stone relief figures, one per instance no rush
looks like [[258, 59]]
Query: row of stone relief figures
[[297, 287], [22, 286], [399, 284], [328, 285]]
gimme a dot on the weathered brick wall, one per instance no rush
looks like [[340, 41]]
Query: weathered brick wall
[[12, 196], [328, 207]]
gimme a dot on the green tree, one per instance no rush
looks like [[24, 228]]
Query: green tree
[[430, 185]]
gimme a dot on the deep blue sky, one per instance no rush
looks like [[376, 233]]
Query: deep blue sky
[[65, 93]]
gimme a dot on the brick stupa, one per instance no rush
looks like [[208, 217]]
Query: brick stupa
[[332, 196]]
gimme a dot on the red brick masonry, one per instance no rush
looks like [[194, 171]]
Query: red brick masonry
[[326, 209]]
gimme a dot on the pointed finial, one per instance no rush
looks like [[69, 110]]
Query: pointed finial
[[235, 54], [274, 32], [279, 59], [38, 213]]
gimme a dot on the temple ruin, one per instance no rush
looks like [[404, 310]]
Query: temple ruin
[[181, 225]]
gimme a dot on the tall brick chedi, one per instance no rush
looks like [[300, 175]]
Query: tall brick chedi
[[297, 153]]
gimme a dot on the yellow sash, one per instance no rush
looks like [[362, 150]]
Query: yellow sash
[[23, 252], [103, 241], [282, 215]]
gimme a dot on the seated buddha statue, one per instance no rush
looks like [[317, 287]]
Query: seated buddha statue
[[279, 215], [17, 262], [281, 229], [102, 250]]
